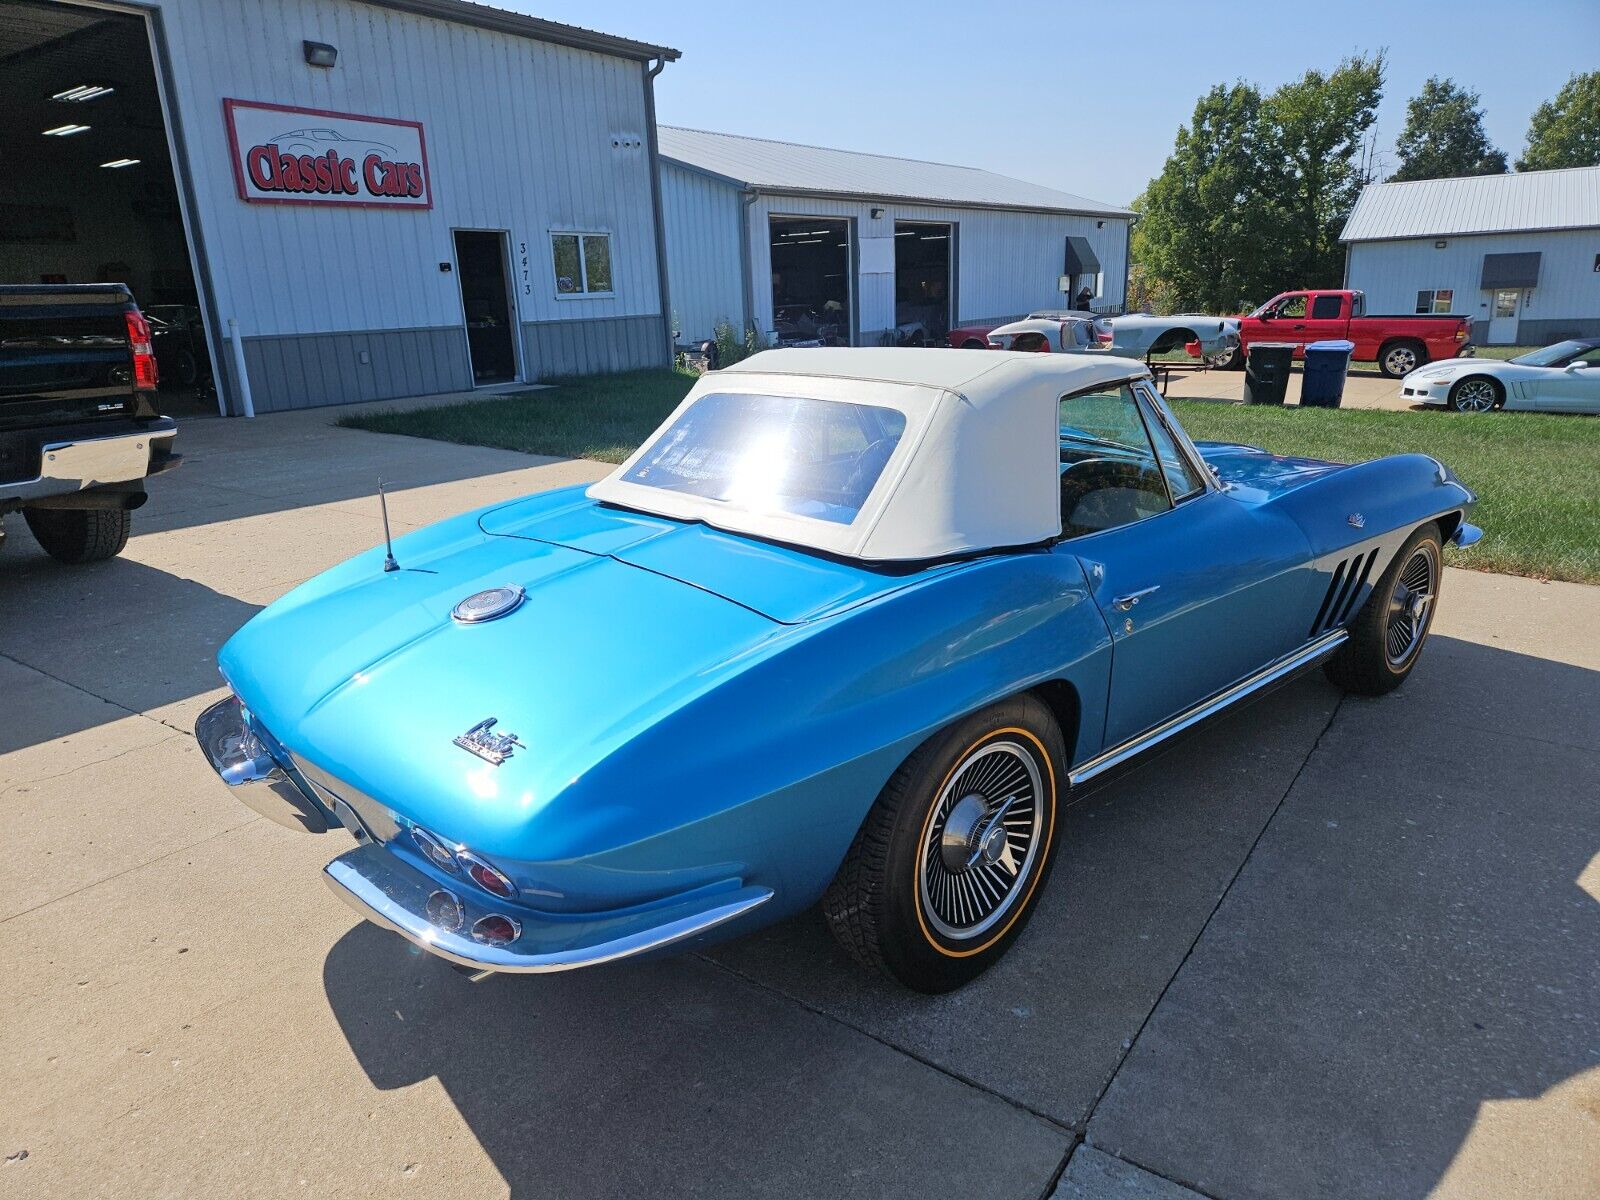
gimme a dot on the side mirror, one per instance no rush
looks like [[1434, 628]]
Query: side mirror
[[1577, 366], [1266, 316]]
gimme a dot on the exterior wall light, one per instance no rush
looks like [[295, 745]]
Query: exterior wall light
[[876, 213], [320, 54]]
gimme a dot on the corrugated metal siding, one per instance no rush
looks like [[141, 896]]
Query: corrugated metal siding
[[593, 347], [1007, 263], [311, 370], [704, 270], [762, 163], [1564, 199], [1392, 273], [519, 138]]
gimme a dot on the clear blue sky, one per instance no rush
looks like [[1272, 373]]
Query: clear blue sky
[[1083, 97]]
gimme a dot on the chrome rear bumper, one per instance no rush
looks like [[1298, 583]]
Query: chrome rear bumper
[[67, 467], [1465, 535], [243, 761], [393, 894]]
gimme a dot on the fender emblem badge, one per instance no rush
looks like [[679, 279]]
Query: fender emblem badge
[[491, 747], [1357, 520]]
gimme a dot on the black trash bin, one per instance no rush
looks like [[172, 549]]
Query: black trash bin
[[1327, 363], [1266, 372]]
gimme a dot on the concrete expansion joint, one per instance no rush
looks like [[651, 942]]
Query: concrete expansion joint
[[1128, 1046], [22, 784], [1010, 1102], [1175, 1180]]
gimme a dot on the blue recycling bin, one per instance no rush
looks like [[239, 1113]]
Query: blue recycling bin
[[1327, 364]]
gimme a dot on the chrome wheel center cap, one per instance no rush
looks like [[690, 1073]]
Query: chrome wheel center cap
[[963, 831], [993, 845]]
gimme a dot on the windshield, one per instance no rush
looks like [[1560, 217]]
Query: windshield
[[786, 454], [1549, 356]]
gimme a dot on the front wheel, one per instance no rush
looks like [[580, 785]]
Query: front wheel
[[1476, 394], [946, 869], [79, 535], [1386, 636]]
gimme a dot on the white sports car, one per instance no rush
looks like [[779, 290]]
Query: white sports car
[[1564, 377]]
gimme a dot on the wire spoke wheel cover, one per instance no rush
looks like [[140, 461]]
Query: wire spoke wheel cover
[[982, 840], [1410, 604]]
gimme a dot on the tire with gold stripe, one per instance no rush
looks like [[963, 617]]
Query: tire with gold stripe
[[948, 865]]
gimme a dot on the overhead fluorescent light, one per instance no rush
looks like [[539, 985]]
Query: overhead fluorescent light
[[117, 163], [65, 130], [84, 91]]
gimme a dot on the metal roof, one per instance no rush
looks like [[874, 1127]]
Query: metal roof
[[1564, 199], [465, 12], [771, 166]]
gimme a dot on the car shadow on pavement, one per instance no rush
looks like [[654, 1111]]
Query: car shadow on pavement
[[672, 1078], [131, 636], [1401, 984]]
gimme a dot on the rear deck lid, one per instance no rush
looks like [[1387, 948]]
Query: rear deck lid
[[781, 583]]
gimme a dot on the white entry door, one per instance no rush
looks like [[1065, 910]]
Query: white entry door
[[1505, 306]]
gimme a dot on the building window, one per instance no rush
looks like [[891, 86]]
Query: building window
[[582, 263], [1439, 301]]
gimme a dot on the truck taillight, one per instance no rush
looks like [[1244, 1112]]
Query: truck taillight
[[144, 354]]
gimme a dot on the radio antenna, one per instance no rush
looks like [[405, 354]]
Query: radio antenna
[[389, 563]]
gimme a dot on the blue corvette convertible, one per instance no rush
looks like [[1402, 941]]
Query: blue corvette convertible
[[852, 626]]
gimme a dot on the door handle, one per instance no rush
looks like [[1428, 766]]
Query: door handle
[[1124, 603]]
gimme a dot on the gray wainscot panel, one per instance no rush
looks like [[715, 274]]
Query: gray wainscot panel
[[313, 370], [593, 346]]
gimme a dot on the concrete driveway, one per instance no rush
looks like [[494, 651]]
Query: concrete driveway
[[1328, 947], [1364, 387]]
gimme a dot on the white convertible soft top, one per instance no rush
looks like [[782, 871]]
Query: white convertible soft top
[[976, 468]]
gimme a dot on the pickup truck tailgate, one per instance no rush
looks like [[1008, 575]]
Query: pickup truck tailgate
[[64, 356]]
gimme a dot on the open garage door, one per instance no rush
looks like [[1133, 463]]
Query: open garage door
[[88, 193], [922, 282], [810, 281]]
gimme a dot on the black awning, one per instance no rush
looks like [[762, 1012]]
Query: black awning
[[1511, 270], [1081, 258]]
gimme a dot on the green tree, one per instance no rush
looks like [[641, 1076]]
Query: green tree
[[1316, 125], [1565, 132], [1443, 137], [1203, 219]]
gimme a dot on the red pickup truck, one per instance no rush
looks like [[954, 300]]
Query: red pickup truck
[[1398, 344]]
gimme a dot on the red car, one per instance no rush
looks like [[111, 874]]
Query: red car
[[1398, 344]]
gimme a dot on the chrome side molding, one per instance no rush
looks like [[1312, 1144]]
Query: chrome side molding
[[1308, 655]]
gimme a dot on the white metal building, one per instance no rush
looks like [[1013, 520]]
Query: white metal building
[[785, 238], [1519, 253], [383, 197]]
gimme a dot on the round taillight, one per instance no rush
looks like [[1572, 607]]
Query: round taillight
[[496, 930], [486, 875], [445, 911], [434, 850]]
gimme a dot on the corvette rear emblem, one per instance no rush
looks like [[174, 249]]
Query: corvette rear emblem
[[491, 747], [1356, 519]]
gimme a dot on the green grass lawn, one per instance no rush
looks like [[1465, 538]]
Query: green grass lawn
[[1535, 473], [604, 417]]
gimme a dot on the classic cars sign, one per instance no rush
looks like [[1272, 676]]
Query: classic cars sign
[[284, 155]]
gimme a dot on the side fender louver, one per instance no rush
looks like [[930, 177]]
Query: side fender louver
[[1344, 590]]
